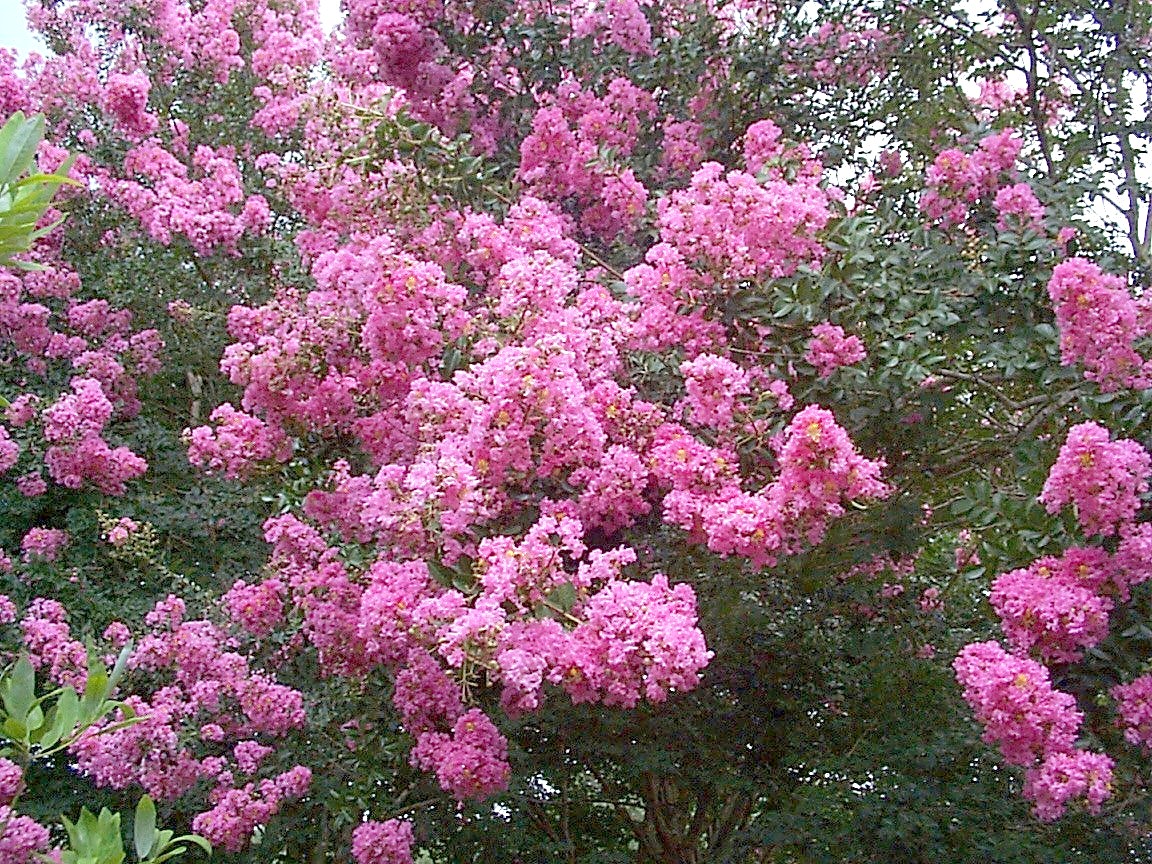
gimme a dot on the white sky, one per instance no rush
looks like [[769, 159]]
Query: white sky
[[14, 30], [14, 34]]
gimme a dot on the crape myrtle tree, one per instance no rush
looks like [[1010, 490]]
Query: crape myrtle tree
[[593, 432]]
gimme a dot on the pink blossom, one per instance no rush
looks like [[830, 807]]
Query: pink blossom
[[714, 385], [830, 348], [640, 640], [1099, 324], [46, 543], [762, 144], [957, 180], [682, 152], [258, 608], [387, 842], [930, 600], [31, 485], [73, 425], [9, 450], [1134, 707], [236, 445], [1015, 701], [471, 761], [48, 640], [1101, 478], [22, 410], [11, 781], [1018, 209], [126, 98], [122, 531], [1133, 559], [1053, 617], [1063, 776], [117, 633], [22, 837], [742, 229], [237, 812]]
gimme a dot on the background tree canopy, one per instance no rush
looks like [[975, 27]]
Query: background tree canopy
[[596, 431]]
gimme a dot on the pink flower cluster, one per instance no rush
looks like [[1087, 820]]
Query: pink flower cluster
[[126, 99], [258, 608], [56, 334], [11, 781], [1101, 478], [377, 318], [671, 303], [1067, 776], [1013, 697], [121, 532], [237, 444], [682, 150], [206, 204], [1035, 726], [636, 639], [1134, 706], [614, 641], [383, 842], [207, 696], [1057, 607], [1017, 207], [45, 543], [820, 471], [48, 640], [1054, 607], [73, 427], [1100, 323], [957, 181], [470, 761], [714, 385], [9, 450], [237, 812], [831, 348], [739, 228], [560, 157], [21, 837]]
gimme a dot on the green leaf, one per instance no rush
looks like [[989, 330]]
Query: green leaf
[[197, 839], [120, 666], [20, 690], [144, 827], [64, 716], [563, 597], [18, 142]]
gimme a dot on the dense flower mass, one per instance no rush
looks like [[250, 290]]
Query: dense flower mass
[[209, 696], [958, 181], [21, 837], [1054, 609], [1100, 323], [383, 842], [1101, 478], [1013, 697], [1134, 706], [237, 444], [830, 348], [508, 323], [741, 228], [1034, 726], [1046, 609], [1064, 777]]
